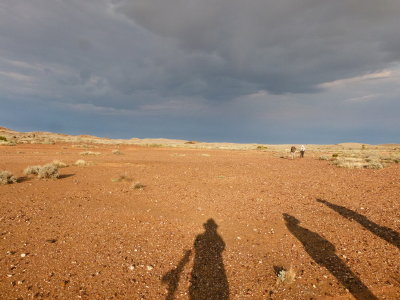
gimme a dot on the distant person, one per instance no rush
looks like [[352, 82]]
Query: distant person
[[302, 150], [292, 151]]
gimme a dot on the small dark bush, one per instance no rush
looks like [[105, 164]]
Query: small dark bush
[[3, 138]]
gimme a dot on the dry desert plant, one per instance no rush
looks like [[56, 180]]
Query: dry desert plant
[[59, 164], [138, 186], [7, 177], [46, 171], [357, 163], [116, 151], [89, 153], [32, 170], [80, 163], [286, 276]]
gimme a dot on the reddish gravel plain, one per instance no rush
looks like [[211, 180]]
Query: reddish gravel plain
[[209, 224]]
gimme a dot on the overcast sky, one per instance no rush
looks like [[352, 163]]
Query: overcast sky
[[255, 71]]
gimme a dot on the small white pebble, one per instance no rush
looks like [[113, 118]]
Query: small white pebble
[[149, 268], [314, 286], [23, 254], [239, 238], [131, 267]]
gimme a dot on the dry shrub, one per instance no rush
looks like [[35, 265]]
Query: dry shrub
[[89, 153], [116, 151], [59, 164], [138, 186], [46, 171], [80, 163], [32, 170], [286, 276], [7, 177], [357, 163]]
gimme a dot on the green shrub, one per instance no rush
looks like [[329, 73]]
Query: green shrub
[[3, 138]]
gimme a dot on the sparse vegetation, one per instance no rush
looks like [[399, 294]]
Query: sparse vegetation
[[286, 276], [32, 170], [116, 152], [80, 163], [324, 157], [48, 171], [154, 145], [43, 172], [357, 163], [89, 153], [3, 138], [260, 147], [59, 164], [138, 186], [7, 177], [121, 178]]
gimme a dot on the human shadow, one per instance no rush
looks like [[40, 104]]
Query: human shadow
[[323, 253], [208, 277], [172, 276], [389, 235]]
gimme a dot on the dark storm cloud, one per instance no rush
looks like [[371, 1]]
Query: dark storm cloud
[[280, 46], [201, 69]]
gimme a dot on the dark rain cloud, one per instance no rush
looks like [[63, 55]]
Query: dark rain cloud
[[215, 68], [280, 46]]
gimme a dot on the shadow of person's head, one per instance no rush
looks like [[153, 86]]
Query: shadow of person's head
[[210, 225], [290, 220]]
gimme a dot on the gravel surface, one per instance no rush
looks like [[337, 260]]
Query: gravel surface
[[205, 224]]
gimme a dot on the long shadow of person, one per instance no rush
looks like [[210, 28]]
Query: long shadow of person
[[172, 277], [386, 233], [323, 253], [208, 278]]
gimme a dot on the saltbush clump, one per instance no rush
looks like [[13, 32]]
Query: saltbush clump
[[7, 177], [46, 171], [32, 170], [80, 163], [89, 153]]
